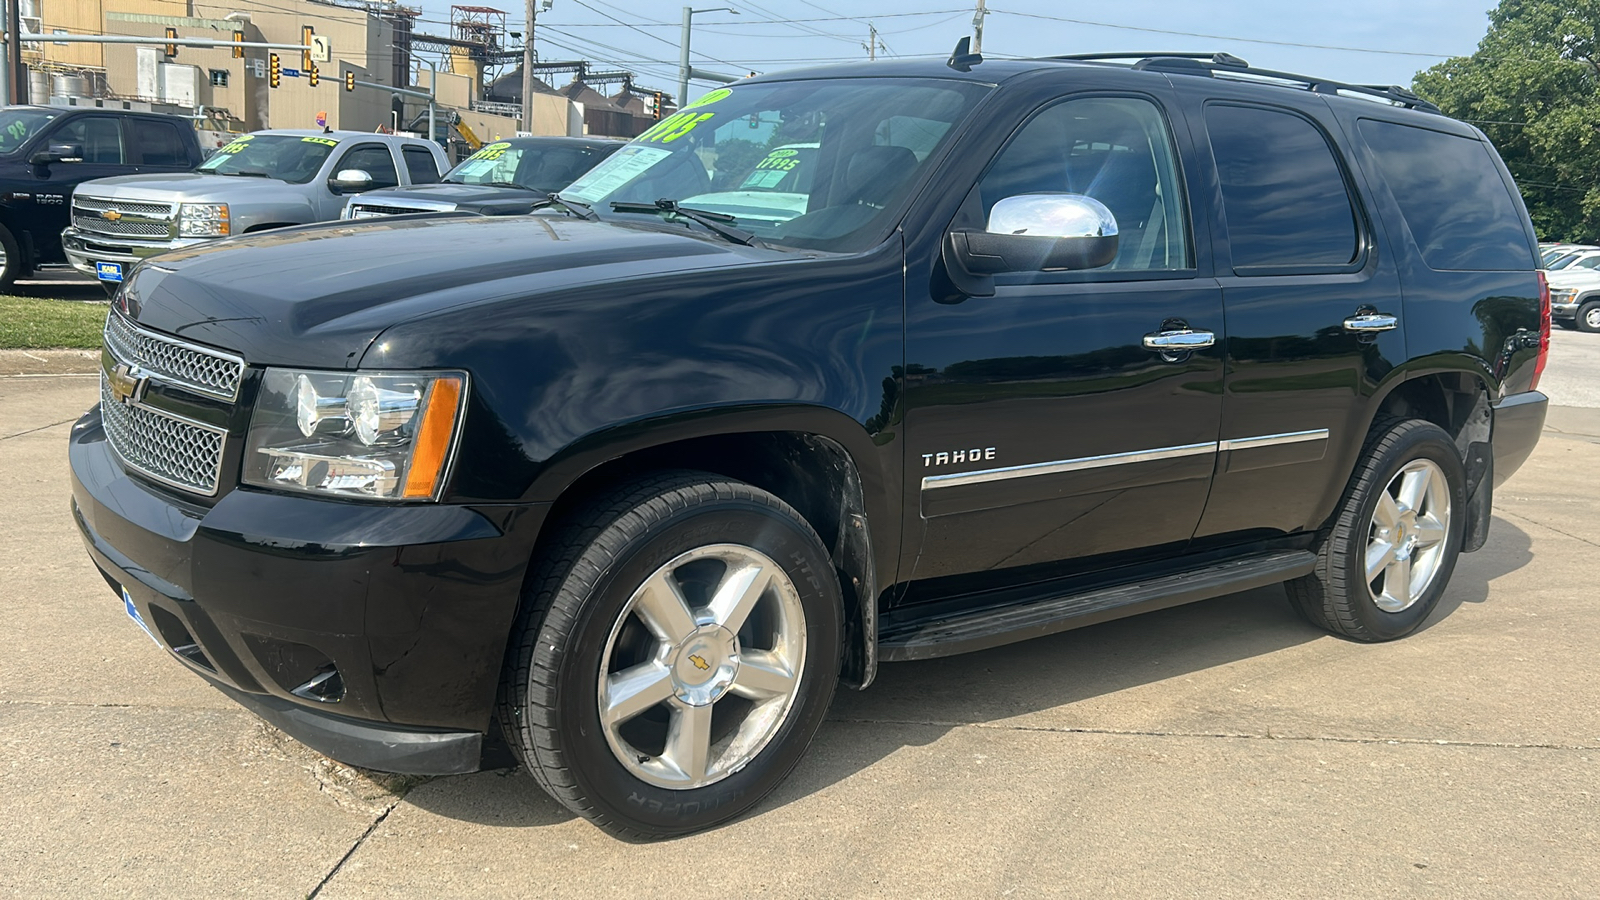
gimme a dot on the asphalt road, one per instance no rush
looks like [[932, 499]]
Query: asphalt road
[[1217, 749], [61, 282]]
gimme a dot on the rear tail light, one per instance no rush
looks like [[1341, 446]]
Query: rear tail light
[[1544, 330]]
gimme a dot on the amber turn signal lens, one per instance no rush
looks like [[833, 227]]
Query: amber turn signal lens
[[433, 438]]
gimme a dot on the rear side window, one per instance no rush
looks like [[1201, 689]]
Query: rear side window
[[1283, 193], [420, 164], [159, 143], [1452, 197]]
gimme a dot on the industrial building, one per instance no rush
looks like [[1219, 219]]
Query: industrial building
[[477, 89]]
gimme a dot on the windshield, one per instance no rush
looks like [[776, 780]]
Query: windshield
[[17, 125], [823, 164], [286, 157], [534, 165]]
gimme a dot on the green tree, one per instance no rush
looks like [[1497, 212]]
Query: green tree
[[1533, 86]]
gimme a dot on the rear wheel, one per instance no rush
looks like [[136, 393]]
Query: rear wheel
[[1385, 561], [676, 654], [1589, 317]]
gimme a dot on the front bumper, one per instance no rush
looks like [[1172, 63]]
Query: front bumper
[[84, 249], [1518, 422], [1564, 310], [263, 594]]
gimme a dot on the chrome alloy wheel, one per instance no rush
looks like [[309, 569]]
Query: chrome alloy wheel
[[1591, 318], [702, 666], [1406, 540]]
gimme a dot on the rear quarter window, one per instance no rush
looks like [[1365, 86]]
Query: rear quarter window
[[1459, 210]]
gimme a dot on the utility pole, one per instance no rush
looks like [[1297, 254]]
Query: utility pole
[[872, 42], [527, 70], [683, 59], [977, 27], [7, 47], [16, 74]]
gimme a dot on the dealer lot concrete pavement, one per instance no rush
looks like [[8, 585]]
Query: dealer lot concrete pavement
[[1219, 749]]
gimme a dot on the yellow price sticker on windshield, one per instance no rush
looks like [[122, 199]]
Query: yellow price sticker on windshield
[[320, 140], [673, 127], [713, 97], [492, 151], [234, 147]]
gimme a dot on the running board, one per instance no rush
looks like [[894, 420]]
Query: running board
[[1049, 613]]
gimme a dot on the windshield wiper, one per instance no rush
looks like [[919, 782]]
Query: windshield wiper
[[718, 222], [248, 173], [581, 210], [508, 184]]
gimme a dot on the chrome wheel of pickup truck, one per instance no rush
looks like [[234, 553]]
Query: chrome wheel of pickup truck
[[1406, 541], [713, 627], [678, 647], [1589, 317], [10, 258]]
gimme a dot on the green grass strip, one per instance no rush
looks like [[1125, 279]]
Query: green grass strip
[[32, 323]]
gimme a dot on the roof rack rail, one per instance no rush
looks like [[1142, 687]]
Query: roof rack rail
[[1210, 65]]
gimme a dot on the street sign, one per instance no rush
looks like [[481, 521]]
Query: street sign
[[291, 73]]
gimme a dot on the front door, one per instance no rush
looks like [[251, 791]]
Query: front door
[[104, 155], [1043, 436]]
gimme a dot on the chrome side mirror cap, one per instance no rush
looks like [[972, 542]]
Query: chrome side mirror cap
[[1032, 233], [350, 181]]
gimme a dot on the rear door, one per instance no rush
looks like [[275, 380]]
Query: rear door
[[1043, 437], [1301, 259], [157, 145]]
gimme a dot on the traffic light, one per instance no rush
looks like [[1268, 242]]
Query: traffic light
[[349, 81], [306, 31], [238, 50], [660, 102], [274, 70], [313, 75], [171, 50]]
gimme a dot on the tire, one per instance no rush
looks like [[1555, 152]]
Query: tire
[[1589, 317], [599, 603], [1411, 469], [12, 264]]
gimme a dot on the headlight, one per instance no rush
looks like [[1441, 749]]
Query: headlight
[[379, 435], [1563, 295], [203, 220]]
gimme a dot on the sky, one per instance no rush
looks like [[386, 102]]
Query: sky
[[1359, 41]]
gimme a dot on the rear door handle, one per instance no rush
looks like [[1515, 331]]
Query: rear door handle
[[1179, 341], [1371, 323]]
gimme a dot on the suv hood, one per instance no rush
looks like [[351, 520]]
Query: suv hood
[[186, 186], [317, 296]]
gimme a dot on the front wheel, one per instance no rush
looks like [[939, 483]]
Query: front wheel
[[676, 654], [1385, 560], [11, 261], [1589, 317]]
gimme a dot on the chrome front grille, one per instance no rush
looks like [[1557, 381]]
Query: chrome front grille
[[167, 448], [200, 369], [122, 228], [129, 218], [372, 211]]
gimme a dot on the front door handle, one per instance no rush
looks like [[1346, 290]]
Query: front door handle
[[1180, 340], [1371, 323]]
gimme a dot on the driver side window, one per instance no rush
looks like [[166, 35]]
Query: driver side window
[[373, 159], [1118, 151]]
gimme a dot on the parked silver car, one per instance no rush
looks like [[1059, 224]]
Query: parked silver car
[[269, 179]]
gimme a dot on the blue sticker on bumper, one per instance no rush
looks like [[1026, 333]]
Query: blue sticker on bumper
[[108, 271], [133, 613]]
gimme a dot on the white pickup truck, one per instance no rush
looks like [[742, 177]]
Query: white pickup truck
[[268, 179]]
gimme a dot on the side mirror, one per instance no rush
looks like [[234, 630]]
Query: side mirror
[[58, 153], [1032, 233], [350, 181]]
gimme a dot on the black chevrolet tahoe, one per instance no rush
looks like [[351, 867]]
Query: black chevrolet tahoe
[[639, 478], [504, 178], [47, 151]]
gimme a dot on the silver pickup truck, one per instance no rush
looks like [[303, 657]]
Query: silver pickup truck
[[268, 179]]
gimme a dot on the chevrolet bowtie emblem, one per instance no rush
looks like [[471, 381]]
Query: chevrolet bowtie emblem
[[699, 661], [110, 215], [126, 383]]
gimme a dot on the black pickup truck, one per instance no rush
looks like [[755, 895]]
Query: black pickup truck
[[47, 151], [831, 368]]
